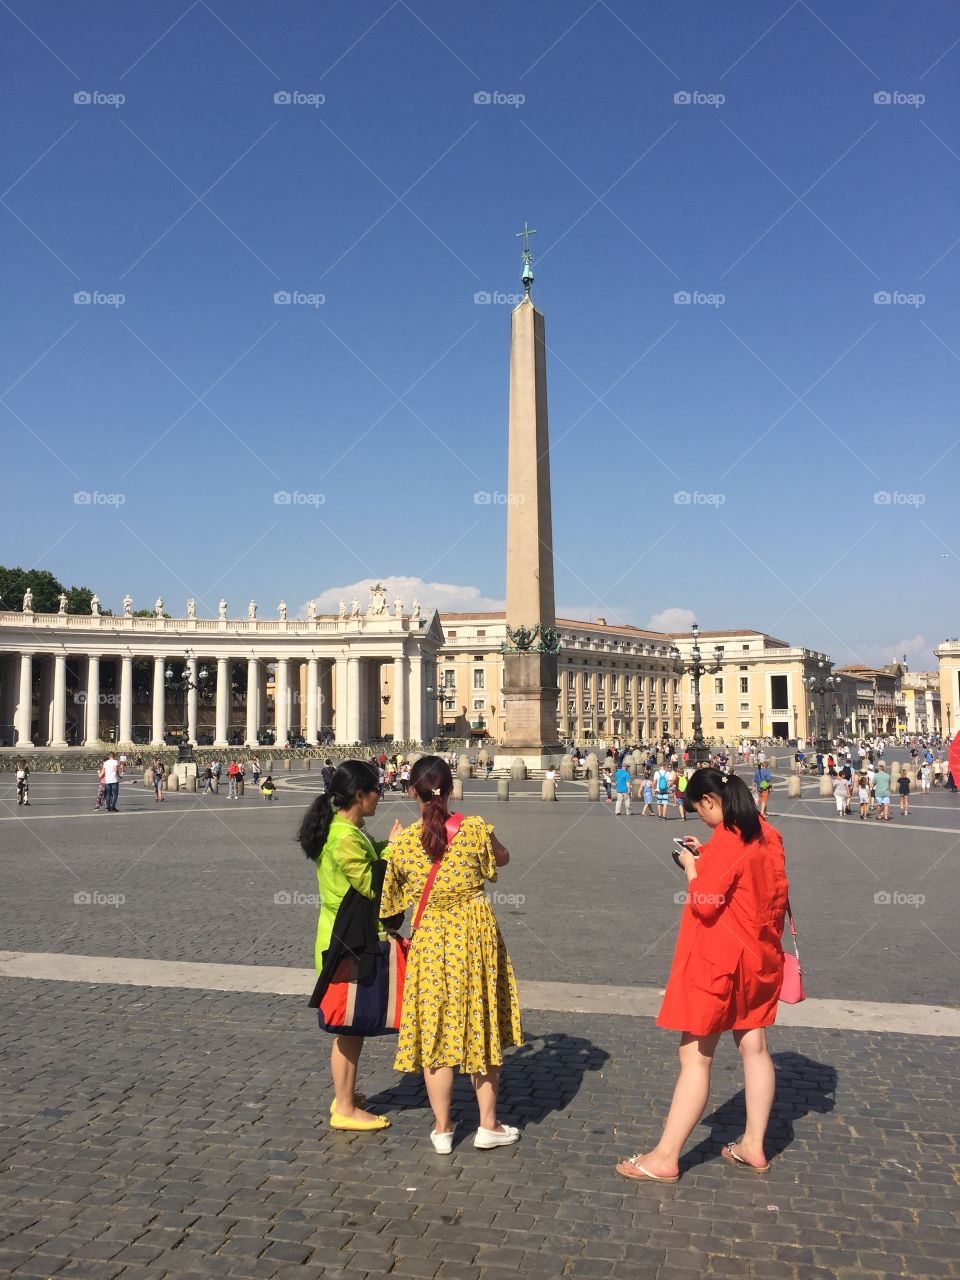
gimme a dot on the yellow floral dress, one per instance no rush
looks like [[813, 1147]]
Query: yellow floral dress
[[460, 1004]]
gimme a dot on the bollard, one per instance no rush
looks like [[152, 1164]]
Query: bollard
[[464, 771], [593, 788], [548, 790], [287, 763], [503, 789], [148, 777], [566, 769], [636, 788], [458, 789], [191, 782], [269, 768], [306, 762], [591, 766], [772, 763], [173, 782], [518, 770], [630, 764], [826, 785], [240, 784], [793, 788]]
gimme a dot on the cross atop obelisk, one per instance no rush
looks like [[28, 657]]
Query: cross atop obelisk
[[527, 276], [530, 651]]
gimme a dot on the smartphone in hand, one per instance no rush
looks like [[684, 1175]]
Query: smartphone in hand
[[679, 844]]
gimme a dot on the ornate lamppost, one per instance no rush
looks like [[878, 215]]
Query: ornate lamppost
[[820, 685], [696, 668], [181, 686]]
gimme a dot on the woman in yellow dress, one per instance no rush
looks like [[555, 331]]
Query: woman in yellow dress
[[331, 835], [460, 1005]]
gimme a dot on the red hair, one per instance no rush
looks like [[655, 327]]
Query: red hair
[[432, 781]]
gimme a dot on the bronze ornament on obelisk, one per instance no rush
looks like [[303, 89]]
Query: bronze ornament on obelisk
[[530, 690]]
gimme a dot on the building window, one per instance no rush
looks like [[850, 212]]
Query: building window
[[481, 635], [718, 706], [744, 724], [744, 646], [744, 684], [744, 706], [601, 706], [600, 681], [478, 704], [449, 679], [451, 635], [449, 704], [718, 685], [479, 678], [719, 724]]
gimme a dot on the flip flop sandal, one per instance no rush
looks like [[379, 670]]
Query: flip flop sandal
[[635, 1172], [731, 1156]]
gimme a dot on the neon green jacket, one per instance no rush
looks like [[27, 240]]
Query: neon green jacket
[[344, 863]]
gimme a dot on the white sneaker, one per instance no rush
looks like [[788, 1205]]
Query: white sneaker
[[442, 1142], [502, 1137]]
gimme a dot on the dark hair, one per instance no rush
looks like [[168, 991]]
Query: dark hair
[[739, 811], [432, 780], [351, 779]]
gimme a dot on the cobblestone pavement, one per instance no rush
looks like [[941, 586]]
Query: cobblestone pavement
[[876, 904], [167, 1135]]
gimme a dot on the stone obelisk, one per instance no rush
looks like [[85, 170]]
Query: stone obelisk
[[530, 689]]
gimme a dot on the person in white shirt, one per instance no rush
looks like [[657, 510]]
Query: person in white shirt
[[111, 782]]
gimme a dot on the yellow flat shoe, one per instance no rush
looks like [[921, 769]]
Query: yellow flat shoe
[[358, 1126]]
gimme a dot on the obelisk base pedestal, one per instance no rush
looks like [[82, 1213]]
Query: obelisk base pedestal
[[530, 694]]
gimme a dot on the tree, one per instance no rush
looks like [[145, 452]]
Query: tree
[[46, 592]]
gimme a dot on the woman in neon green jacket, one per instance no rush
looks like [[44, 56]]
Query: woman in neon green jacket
[[331, 835]]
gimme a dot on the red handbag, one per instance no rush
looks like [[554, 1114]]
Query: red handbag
[[792, 992]]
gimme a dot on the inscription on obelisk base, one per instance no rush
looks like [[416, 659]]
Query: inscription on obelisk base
[[530, 690]]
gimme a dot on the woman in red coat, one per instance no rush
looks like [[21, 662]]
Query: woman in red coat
[[727, 969]]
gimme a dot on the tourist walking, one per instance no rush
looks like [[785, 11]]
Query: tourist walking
[[207, 780], [332, 836], [621, 785], [232, 774], [881, 787], [647, 791], [606, 781], [841, 794], [661, 787], [23, 784], [903, 787], [863, 796], [255, 770], [158, 780], [763, 784], [460, 1004], [727, 970], [925, 776], [111, 782]]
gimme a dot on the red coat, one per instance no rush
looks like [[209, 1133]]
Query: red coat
[[728, 964]]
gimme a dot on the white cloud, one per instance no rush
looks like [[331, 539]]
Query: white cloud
[[445, 596], [672, 619], [918, 650]]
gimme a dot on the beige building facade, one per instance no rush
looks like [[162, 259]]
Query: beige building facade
[[948, 654]]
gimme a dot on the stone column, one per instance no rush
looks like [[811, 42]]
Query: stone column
[[326, 695], [125, 736], [158, 703], [253, 700], [92, 727], [340, 699], [45, 701], [223, 702], [417, 695], [352, 708], [401, 723], [193, 701], [25, 701], [58, 737], [313, 676], [281, 700]]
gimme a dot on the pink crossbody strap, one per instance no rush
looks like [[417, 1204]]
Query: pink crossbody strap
[[793, 932], [453, 826]]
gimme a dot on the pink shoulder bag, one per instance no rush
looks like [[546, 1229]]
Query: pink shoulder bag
[[792, 991]]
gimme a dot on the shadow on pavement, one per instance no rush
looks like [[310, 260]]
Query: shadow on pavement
[[802, 1086]]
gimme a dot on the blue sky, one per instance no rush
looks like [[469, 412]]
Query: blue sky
[[775, 192]]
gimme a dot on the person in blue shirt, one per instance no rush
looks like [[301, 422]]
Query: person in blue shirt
[[763, 782], [621, 784]]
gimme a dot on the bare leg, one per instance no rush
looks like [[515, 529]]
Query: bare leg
[[487, 1087], [344, 1056], [759, 1085], [689, 1100], [439, 1082]]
